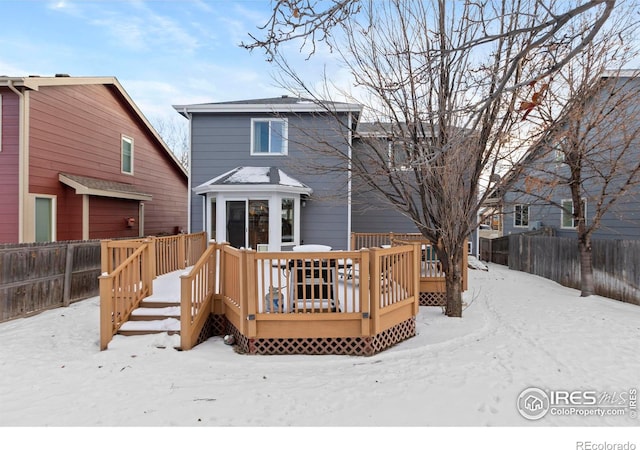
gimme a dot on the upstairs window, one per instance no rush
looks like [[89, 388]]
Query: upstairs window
[[269, 136], [521, 216], [127, 155]]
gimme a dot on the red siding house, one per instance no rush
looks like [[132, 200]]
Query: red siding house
[[78, 160]]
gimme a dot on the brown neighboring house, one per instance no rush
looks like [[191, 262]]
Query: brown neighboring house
[[78, 160]]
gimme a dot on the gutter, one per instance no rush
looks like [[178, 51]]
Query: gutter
[[189, 116]]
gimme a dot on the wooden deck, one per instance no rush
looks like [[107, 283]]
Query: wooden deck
[[339, 302]]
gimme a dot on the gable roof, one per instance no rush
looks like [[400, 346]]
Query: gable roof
[[280, 104], [35, 82], [270, 179]]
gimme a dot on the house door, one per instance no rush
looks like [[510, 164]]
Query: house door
[[247, 223], [44, 219], [236, 223]]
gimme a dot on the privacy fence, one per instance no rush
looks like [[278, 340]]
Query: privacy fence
[[616, 263], [37, 277]]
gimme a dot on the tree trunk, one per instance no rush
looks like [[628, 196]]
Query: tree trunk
[[453, 284], [586, 267]]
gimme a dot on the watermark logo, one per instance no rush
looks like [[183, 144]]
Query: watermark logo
[[534, 403]]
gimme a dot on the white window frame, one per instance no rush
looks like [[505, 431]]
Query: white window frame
[[54, 214], [124, 139], [285, 137], [573, 219], [515, 215]]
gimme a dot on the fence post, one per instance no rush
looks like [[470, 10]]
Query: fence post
[[68, 271], [152, 242]]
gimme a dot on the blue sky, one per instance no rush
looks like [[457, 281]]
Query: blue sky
[[163, 52]]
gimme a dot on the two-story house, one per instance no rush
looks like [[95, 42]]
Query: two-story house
[[540, 195], [259, 176], [79, 160]]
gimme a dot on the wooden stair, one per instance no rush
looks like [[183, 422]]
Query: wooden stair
[[153, 316]]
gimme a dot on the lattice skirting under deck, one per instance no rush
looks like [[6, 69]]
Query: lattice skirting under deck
[[358, 346], [433, 299]]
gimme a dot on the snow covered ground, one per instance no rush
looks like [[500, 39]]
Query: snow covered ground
[[519, 331]]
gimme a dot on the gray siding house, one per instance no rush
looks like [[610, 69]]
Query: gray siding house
[[551, 205], [259, 177]]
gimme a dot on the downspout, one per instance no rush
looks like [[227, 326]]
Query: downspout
[[23, 160], [189, 192], [350, 136]]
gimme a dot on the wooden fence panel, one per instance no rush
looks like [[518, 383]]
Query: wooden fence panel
[[37, 277], [616, 263]]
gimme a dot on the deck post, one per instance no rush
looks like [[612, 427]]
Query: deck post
[[417, 274], [251, 294], [374, 288], [149, 264], [365, 298], [151, 243], [106, 310], [185, 313], [182, 247], [242, 280], [105, 257]]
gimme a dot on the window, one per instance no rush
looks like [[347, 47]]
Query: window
[[521, 216], [268, 136], [567, 219], [127, 155], [288, 219]]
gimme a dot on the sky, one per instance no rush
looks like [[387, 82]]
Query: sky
[[163, 52], [520, 334]]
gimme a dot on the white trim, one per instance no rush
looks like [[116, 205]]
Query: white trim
[[252, 188], [573, 220], [123, 138], [349, 177], [528, 214], [267, 108], [85, 217]]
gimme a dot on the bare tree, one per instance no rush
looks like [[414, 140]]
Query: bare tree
[[449, 83], [594, 154], [175, 134]]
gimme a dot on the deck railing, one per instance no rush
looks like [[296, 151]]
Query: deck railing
[[316, 294], [432, 277], [169, 253], [128, 268], [370, 240], [196, 293], [122, 290]]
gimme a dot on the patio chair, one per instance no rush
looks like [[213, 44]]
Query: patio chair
[[313, 286]]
